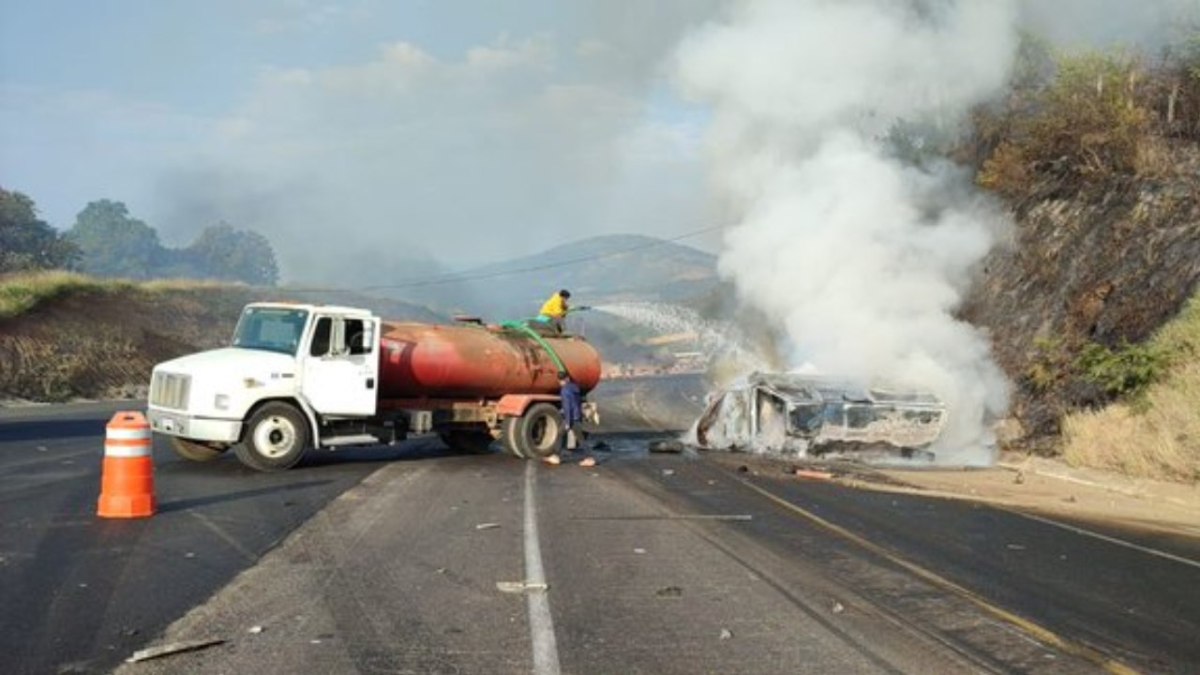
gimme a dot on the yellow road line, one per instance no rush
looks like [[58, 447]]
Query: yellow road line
[[1042, 633]]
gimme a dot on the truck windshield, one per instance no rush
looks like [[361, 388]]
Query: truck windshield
[[274, 329]]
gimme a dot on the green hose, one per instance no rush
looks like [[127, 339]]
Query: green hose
[[523, 327]]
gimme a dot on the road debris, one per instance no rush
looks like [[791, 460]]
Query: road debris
[[520, 586], [669, 592], [837, 607], [813, 475], [552, 460], [254, 630], [639, 551], [487, 526], [672, 446], [668, 472], [172, 648], [588, 462], [1014, 547], [726, 634]]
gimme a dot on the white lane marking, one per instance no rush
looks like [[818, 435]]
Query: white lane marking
[[223, 535], [1111, 540], [541, 625]]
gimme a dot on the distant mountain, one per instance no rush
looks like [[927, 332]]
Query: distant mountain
[[596, 270]]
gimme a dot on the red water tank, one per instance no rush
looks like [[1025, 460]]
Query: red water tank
[[437, 361]]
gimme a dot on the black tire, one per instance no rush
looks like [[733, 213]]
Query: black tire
[[538, 433], [508, 432], [275, 438], [196, 451], [467, 441]]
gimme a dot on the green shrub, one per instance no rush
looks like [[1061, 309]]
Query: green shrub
[[1123, 372]]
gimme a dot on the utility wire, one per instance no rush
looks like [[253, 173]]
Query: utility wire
[[458, 277]]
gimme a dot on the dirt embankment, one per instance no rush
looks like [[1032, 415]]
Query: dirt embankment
[[103, 343], [1105, 263]]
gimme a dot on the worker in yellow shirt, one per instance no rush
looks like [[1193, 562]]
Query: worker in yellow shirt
[[554, 310]]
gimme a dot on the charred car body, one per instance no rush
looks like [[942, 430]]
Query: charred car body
[[807, 416]]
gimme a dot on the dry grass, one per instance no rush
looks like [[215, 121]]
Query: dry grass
[[1157, 436], [20, 293]]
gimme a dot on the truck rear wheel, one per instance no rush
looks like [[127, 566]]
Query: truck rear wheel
[[537, 433], [197, 451], [275, 438], [470, 442]]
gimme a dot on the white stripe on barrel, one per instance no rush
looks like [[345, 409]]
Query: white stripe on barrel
[[127, 441], [126, 450], [112, 434]]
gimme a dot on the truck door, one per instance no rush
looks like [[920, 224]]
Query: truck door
[[341, 367]]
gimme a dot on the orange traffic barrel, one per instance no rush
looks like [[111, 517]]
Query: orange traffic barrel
[[127, 481]]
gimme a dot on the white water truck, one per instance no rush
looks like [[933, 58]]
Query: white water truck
[[298, 377]]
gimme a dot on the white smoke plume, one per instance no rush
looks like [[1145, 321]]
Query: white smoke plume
[[862, 257]]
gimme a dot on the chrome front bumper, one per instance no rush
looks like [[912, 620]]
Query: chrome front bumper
[[194, 428]]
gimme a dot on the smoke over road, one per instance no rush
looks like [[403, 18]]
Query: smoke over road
[[861, 256]]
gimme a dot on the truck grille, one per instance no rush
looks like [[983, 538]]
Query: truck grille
[[170, 390]]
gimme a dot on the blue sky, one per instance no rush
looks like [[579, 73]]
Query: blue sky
[[340, 128], [460, 131]]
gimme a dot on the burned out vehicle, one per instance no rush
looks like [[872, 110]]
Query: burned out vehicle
[[807, 416]]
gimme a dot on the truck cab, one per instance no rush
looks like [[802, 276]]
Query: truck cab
[[291, 373]]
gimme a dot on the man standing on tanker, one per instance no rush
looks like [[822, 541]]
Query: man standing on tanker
[[554, 310]]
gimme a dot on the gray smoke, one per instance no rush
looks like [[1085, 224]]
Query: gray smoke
[[862, 257], [1144, 24]]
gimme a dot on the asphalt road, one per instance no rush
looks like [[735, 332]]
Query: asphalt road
[[80, 593], [415, 560]]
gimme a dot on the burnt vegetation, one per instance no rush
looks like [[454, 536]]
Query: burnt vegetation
[[1096, 154]]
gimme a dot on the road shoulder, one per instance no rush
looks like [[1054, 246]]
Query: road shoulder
[[1035, 484], [395, 568]]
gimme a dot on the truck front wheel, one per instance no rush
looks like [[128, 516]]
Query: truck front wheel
[[537, 433], [197, 451], [275, 438]]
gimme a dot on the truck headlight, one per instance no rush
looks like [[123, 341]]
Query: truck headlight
[[221, 401]]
